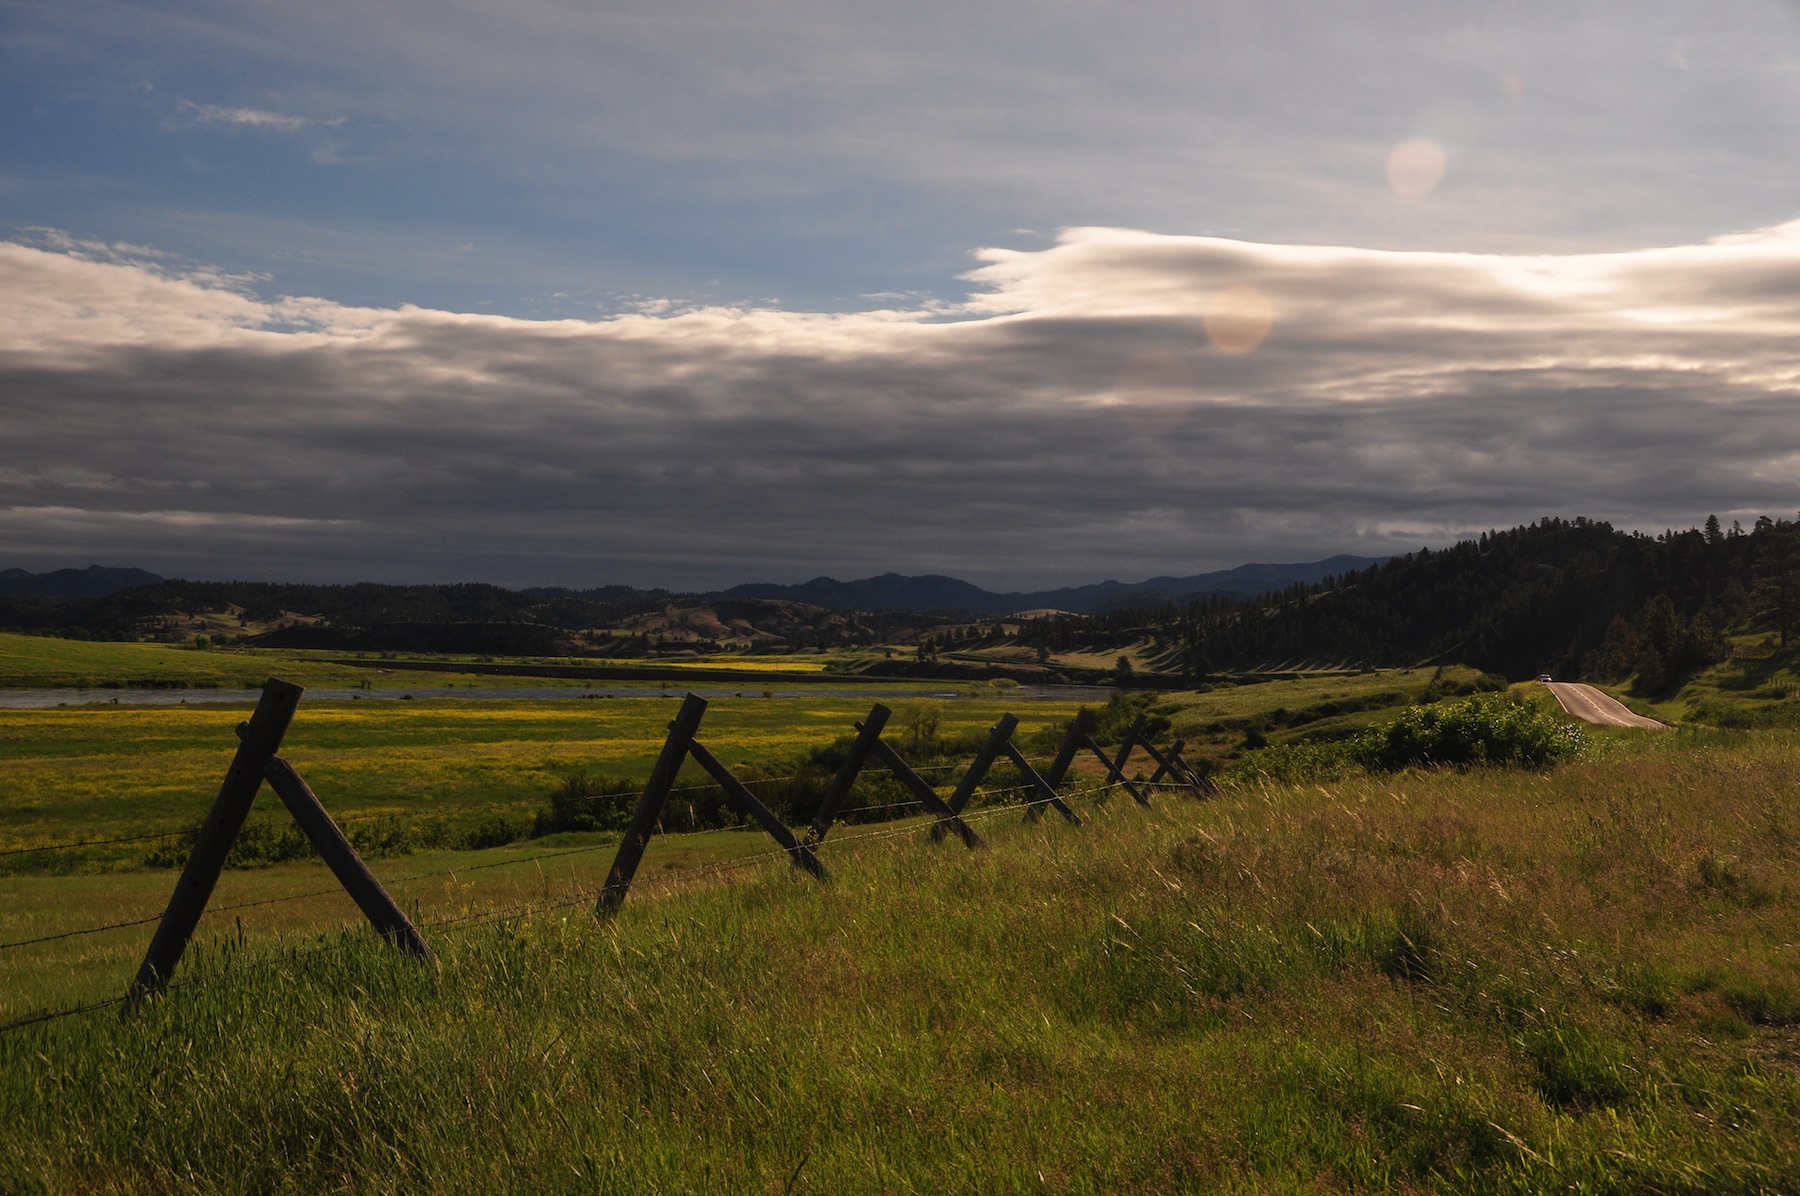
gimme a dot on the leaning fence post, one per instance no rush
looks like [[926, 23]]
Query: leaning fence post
[[925, 793], [1165, 765], [984, 760], [1202, 783], [258, 740], [867, 733], [650, 805], [345, 864], [1129, 742], [1045, 791], [800, 853], [1115, 767], [1079, 728]]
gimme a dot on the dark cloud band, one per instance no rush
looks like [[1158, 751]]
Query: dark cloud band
[[1078, 421]]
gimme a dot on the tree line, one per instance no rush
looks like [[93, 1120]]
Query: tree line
[[1571, 597]]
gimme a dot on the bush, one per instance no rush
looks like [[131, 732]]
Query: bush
[[258, 845], [1488, 729], [588, 803], [1294, 763]]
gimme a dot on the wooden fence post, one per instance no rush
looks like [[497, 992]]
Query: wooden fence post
[[345, 864], [1162, 766], [1165, 765], [868, 733], [1115, 766], [984, 760], [1046, 792], [1080, 727], [925, 793], [650, 805], [1202, 783], [258, 740], [800, 853]]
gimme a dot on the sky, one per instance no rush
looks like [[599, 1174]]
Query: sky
[[689, 294]]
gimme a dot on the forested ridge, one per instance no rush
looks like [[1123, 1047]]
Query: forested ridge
[[479, 611], [1566, 596], [1572, 597]]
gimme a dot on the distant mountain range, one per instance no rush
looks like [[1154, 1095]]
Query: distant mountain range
[[889, 592], [933, 592], [95, 581]]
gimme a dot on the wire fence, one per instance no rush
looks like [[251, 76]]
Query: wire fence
[[396, 882], [128, 923], [327, 837], [675, 879]]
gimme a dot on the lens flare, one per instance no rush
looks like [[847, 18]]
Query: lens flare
[[1239, 318], [1415, 167], [1154, 391]]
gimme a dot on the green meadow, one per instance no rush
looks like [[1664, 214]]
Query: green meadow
[[104, 771], [1581, 979], [45, 661], [1578, 978]]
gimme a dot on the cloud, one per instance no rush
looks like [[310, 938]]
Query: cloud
[[1272, 115], [699, 149], [256, 118], [1079, 418]]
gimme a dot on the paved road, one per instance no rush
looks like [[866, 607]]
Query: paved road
[[1590, 705]]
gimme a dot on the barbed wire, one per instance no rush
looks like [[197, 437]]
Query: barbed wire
[[537, 858], [525, 909], [93, 842], [451, 872], [685, 875]]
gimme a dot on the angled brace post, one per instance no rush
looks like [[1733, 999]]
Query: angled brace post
[[926, 795], [800, 853], [345, 864], [258, 740], [1080, 728], [868, 733], [1204, 786], [676, 749], [1115, 766], [997, 739], [1165, 765], [1046, 793], [650, 806]]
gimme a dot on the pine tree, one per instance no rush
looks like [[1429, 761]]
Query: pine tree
[[1776, 595]]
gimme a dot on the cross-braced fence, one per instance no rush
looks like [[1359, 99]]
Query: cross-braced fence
[[257, 760]]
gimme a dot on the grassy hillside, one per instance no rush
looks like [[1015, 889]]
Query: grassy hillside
[[1754, 688], [38, 661], [32, 660], [1494, 981]]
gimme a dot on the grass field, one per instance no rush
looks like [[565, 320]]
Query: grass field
[[1756, 689], [1581, 979], [39, 661], [104, 771], [1577, 980]]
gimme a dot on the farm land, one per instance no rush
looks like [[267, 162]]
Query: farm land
[[1582, 977]]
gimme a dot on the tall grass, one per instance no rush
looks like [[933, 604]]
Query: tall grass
[[1582, 979]]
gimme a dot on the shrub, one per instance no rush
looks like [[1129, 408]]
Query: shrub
[[1487, 729], [258, 845], [1294, 763], [588, 803]]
